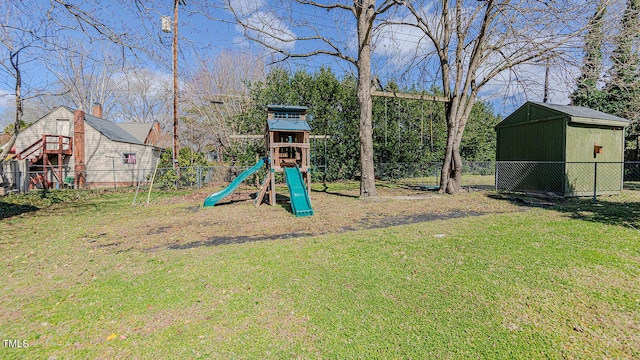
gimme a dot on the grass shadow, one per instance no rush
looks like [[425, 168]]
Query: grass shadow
[[228, 240], [334, 193], [480, 187], [607, 210], [8, 210], [325, 190], [238, 196], [231, 201]]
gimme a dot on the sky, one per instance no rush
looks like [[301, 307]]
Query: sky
[[206, 28]]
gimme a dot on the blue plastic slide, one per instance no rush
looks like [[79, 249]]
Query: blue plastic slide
[[214, 198], [300, 202]]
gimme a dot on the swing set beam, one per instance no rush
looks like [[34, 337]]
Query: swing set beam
[[393, 94]]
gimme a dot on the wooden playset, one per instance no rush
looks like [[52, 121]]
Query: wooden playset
[[287, 145], [287, 150]]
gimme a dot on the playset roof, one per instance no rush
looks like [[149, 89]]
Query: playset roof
[[284, 108], [288, 125]]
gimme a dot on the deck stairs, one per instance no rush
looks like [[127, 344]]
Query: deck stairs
[[39, 156]]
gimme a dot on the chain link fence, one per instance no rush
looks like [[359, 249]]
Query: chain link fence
[[410, 174], [568, 179], [476, 174], [17, 180]]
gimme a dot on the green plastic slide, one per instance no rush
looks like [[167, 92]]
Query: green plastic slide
[[300, 202], [212, 199]]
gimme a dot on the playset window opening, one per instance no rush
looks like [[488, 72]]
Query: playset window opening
[[285, 115]]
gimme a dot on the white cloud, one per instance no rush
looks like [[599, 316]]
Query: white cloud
[[263, 25], [7, 103], [7, 99], [401, 45], [244, 8], [526, 81], [510, 90], [268, 28]]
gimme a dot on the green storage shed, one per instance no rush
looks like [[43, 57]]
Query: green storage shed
[[564, 149]]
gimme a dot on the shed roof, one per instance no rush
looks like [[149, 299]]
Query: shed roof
[[580, 112], [292, 125], [576, 114]]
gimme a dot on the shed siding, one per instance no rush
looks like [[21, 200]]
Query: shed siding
[[545, 139], [537, 113], [552, 149], [582, 138], [581, 158], [527, 113]]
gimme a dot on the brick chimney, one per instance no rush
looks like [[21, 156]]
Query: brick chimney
[[78, 149], [97, 110]]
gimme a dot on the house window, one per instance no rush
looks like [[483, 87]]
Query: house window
[[129, 158], [63, 127]]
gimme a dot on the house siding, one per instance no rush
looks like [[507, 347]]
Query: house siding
[[105, 158], [102, 155], [44, 126]]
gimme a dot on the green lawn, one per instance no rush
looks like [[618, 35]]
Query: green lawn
[[528, 284]]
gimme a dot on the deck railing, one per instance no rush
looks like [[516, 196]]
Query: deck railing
[[48, 144]]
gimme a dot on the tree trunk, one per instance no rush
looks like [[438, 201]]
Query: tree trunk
[[451, 176], [457, 115], [19, 111], [367, 181], [365, 18]]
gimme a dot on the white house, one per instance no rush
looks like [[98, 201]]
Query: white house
[[68, 147]]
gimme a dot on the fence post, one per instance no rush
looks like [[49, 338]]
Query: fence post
[[595, 182], [113, 162], [495, 180]]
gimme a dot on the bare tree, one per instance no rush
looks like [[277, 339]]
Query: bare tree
[[95, 20], [87, 77], [217, 92], [146, 97], [14, 63], [274, 32], [32, 29], [474, 43], [19, 42]]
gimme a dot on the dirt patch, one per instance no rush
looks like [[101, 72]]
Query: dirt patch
[[407, 197], [198, 196], [364, 224], [182, 223], [227, 240], [418, 218]]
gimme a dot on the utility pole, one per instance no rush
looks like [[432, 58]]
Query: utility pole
[[176, 168], [545, 98]]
